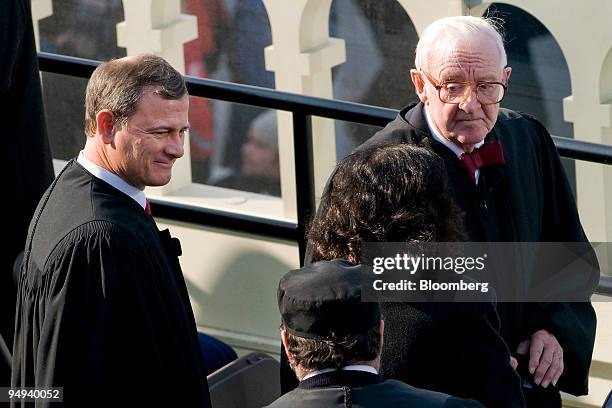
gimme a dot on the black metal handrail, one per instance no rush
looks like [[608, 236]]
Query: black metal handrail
[[306, 105], [303, 108]]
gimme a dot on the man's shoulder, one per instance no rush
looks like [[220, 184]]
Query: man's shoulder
[[407, 127], [522, 132], [78, 211], [518, 124], [387, 393], [296, 398], [79, 203], [509, 117], [91, 237]]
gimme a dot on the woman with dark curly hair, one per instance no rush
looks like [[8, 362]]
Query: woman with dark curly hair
[[385, 194], [398, 193]]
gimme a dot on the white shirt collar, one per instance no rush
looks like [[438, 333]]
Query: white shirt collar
[[453, 147], [113, 179], [354, 367]]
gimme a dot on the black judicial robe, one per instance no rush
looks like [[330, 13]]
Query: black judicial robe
[[27, 156], [102, 308], [526, 200]]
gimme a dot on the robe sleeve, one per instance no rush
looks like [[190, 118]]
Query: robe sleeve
[[573, 324]]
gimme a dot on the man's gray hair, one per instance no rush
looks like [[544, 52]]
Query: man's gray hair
[[442, 37]]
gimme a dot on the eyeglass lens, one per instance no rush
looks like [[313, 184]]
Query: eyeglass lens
[[486, 93]]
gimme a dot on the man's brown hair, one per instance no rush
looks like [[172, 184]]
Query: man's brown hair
[[334, 351], [118, 85]]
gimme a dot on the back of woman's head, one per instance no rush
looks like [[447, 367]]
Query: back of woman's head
[[384, 193]]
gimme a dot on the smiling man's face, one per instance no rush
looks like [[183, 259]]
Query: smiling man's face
[[145, 148], [468, 123]]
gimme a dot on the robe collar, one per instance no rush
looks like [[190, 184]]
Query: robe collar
[[113, 179], [341, 378], [414, 115]]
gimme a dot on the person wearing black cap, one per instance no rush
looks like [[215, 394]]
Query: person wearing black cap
[[333, 343]]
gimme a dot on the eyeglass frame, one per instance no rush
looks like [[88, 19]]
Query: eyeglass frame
[[439, 86]]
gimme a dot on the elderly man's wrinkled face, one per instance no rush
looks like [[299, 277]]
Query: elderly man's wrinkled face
[[468, 123]]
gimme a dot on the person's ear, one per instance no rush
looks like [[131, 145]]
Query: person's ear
[[105, 121], [283, 335], [381, 330], [507, 72], [419, 84]]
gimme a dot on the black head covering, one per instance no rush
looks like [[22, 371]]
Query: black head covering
[[324, 298]]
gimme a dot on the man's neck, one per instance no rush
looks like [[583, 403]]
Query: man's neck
[[452, 145], [93, 154]]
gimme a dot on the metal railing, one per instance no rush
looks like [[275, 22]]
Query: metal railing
[[303, 108]]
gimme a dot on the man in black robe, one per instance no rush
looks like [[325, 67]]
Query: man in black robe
[[517, 193], [28, 158], [334, 341], [102, 307]]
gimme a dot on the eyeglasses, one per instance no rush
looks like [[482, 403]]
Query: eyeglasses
[[487, 93]]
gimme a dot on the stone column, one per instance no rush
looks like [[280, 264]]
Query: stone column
[[302, 56]]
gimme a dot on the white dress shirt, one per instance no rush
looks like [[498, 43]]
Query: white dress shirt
[[356, 367]]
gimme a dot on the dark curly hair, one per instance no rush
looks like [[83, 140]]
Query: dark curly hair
[[389, 193], [334, 351]]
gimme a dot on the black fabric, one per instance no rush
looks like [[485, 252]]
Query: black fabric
[[526, 200], [451, 348], [103, 309], [358, 389], [325, 297], [28, 157]]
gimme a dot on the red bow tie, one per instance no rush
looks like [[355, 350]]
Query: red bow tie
[[489, 154], [148, 209]]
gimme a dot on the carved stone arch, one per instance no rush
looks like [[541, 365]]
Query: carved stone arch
[[422, 16], [556, 26], [380, 40], [314, 24], [540, 12]]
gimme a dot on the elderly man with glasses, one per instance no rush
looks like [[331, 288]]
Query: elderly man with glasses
[[506, 176]]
